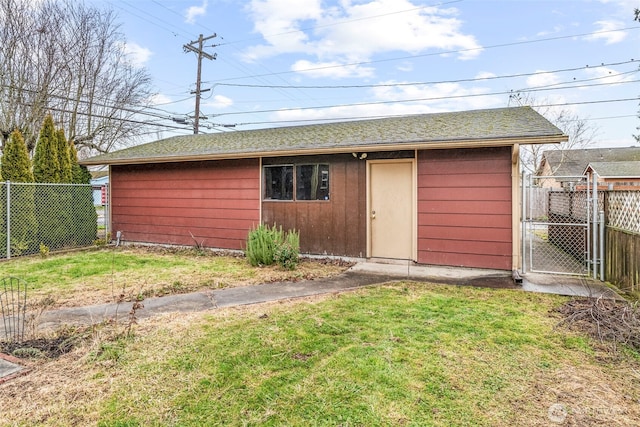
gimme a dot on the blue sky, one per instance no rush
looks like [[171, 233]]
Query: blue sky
[[289, 62]]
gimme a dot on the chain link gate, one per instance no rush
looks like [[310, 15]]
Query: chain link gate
[[562, 227]]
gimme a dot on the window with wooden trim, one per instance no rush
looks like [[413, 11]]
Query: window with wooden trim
[[278, 182], [311, 182]]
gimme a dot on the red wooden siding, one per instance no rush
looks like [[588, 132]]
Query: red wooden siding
[[464, 207], [333, 227], [216, 201]]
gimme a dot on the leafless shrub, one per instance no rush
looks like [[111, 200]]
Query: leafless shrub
[[613, 322]]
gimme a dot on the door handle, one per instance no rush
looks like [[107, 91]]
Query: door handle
[[373, 214]]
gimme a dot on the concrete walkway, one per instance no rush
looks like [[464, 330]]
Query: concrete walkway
[[360, 275]]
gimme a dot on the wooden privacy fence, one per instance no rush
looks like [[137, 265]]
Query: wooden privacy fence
[[622, 261]]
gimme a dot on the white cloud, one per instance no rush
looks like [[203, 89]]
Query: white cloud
[[440, 96], [605, 30], [355, 31], [219, 102], [136, 54], [404, 100], [555, 30], [159, 99], [331, 69], [608, 75], [194, 11], [485, 75], [406, 67], [542, 78]]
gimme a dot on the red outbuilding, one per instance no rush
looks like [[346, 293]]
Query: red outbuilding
[[438, 189]]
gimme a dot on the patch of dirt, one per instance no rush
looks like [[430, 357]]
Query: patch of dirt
[[582, 396], [44, 347]]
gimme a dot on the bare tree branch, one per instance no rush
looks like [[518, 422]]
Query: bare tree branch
[[68, 58], [581, 133]]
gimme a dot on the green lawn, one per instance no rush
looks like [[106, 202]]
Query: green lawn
[[399, 354], [95, 276], [403, 354]]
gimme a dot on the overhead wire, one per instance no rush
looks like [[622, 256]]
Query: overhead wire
[[434, 98], [439, 53], [379, 116], [279, 74], [399, 84]]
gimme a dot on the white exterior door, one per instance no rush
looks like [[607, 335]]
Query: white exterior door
[[391, 209]]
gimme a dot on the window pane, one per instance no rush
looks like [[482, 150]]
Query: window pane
[[312, 182], [278, 183]]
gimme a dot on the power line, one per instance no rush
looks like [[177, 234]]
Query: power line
[[377, 61], [128, 4], [191, 47], [466, 80], [435, 98], [101, 102], [350, 118], [121, 119]]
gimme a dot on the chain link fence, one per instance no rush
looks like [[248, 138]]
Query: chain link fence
[[556, 237], [38, 218]]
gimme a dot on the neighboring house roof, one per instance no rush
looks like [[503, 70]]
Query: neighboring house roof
[[574, 162], [627, 169], [478, 128], [99, 174]]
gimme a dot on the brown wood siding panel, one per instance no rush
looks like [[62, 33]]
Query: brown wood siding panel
[[333, 227], [464, 207], [217, 202]]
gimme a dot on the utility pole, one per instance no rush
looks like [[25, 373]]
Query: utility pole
[[191, 47]]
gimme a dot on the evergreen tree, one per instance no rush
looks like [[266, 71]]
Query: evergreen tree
[[15, 162], [85, 224], [63, 157], [46, 163], [79, 174], [17, 169], [53, 202]]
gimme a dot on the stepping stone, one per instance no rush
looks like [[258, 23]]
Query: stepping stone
[[10, 368]]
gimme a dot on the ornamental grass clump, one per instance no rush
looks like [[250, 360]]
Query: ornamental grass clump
[[268, 245]]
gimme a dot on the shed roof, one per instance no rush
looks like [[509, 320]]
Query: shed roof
[[477, 128], [625, 169]]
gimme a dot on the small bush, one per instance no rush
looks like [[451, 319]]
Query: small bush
[[287, 252], [260, 246], [44, 250], [266, 245]]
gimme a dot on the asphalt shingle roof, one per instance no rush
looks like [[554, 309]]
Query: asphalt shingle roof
[[623, 169], [574, 162], [407, 132]]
